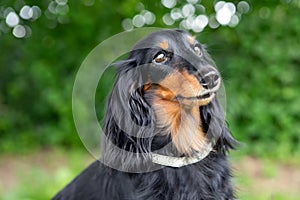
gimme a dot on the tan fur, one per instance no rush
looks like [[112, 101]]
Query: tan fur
[[191, 39], [183, 124], [164, 44], [181, 118], [181, 83]]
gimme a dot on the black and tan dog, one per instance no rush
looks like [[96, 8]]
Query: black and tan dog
[[165, 135]]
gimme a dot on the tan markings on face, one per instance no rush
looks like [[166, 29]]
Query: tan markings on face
[[189, 135], [164, 45], [146, 86], [184, 125], [180, 118], [191, 39], [168, 114], [183, 84]]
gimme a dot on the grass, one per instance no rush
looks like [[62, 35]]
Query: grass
[[266, 178], [39, 175]]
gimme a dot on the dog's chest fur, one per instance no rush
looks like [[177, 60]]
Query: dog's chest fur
[[206, 180]]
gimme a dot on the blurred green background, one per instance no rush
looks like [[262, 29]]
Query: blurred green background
[[255, 44]]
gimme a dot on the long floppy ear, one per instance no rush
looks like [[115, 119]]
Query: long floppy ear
[[214, 123], [133, 78], [139, 108], [228, 142]]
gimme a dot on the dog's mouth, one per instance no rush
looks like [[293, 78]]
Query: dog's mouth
[[184, 89], [200, 97], [204, 96]]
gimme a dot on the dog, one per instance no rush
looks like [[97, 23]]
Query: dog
[[165, 135]]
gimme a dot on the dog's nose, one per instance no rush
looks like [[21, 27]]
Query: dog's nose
[[210, 80]]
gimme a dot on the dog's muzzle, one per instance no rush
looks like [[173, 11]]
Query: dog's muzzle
[[210, 81]]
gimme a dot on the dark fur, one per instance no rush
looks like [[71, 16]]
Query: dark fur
[[209, 179]]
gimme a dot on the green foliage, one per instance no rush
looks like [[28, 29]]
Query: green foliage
[[263, 82], [44, 179], [37, 75], [259, 60]]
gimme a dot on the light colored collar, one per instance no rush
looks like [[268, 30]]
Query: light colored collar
[[171, 161]]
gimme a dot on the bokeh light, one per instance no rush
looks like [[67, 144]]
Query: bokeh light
[[149, 17], [138, 21], [12, 19], [243, 7], [168, 20], [176, 14], [61, 2], [15, 20], [36, 12], [191, 15], [224, 12], [200, 23], [19, 31], [234, 21], [192, 1], [145, 17], [58, 7], [169, 3], [127, 24], [26, 12], [213, 23], [188, 10]]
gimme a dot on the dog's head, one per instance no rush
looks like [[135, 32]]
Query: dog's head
[[166, 92]]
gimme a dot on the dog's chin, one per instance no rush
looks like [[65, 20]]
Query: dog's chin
[[200, 100]]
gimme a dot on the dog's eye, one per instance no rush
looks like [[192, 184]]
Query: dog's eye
[[198, 50], [160, 58]]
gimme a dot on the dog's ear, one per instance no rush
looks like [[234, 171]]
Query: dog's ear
[[205, 117], [214, 124], [125, 65], [227, 141], [131, 78], [139, 108]]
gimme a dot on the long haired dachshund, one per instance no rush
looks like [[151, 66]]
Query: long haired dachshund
[[165, 135]]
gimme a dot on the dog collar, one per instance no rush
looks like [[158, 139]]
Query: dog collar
[[177, 162]]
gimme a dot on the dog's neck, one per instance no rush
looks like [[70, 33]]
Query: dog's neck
[[183, 123], [177, 162]]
